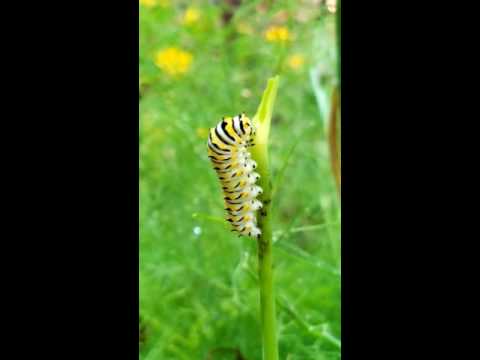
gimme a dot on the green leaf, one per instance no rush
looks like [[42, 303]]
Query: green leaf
[[263, 117]]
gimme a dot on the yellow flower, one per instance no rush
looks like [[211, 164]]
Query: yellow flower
[[277, 34], [152, 3], [148, 3], [296, 61], [202, 133], [173, 61], [191, 16]]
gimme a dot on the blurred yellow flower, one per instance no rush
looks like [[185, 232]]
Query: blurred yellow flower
[[152, 3], [277, 34], [202, 133], [296, 61], [173, 61], [191, 16], [148, 3]]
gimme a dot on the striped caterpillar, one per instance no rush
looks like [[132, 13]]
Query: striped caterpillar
[[228, 151]]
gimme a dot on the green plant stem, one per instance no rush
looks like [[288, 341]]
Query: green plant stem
[[262, 121], [265, 265]]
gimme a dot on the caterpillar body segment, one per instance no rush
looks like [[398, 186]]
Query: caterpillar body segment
[[228, 149]]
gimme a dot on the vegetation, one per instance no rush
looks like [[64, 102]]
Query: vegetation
[[198, 281]]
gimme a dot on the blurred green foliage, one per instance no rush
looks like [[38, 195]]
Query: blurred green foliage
[[198, 287]]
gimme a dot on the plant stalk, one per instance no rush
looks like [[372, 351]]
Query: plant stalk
[[265, 265], [265, 257]]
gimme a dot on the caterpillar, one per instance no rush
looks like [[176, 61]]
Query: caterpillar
[[228, 150]]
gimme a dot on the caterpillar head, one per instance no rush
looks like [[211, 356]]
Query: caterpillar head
[[247, 125]]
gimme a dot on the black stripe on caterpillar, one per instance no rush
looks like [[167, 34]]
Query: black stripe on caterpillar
[[228, 149]]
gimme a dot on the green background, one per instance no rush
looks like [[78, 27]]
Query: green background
[[198, 287]]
